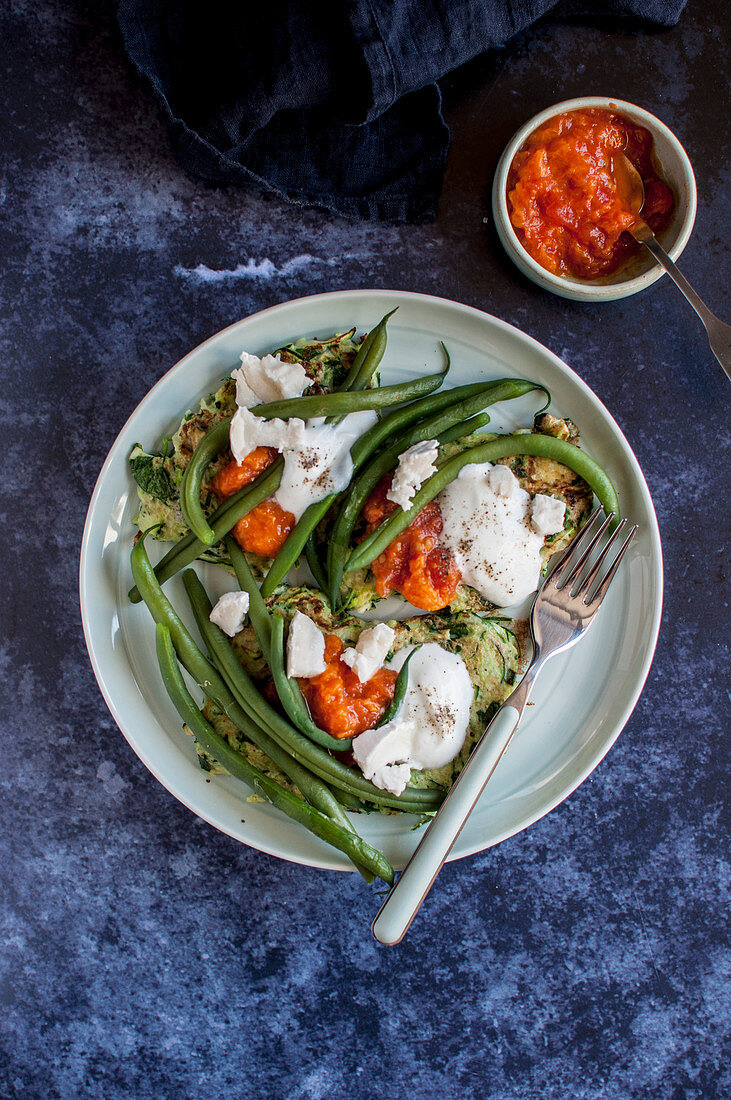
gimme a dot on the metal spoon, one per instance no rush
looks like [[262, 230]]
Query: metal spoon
[[631, 188]]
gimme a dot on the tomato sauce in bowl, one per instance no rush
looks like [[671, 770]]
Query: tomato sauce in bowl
[[563, 202]]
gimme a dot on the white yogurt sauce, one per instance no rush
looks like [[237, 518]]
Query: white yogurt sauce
[[495, 532], [431, 726], [317, 458]]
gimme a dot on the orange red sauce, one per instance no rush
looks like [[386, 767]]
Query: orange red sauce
[[414, 564], [562, 198], [338, 702], [265, 529]]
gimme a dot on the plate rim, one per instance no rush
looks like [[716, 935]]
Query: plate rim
[[657, 566]]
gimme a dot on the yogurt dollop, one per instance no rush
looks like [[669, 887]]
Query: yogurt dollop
[[317, 458], [429, 729], [496, 532]]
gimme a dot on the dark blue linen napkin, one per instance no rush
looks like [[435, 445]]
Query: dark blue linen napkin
[[329, 104]]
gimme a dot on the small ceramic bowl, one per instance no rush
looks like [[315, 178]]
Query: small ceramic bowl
[[642, 271]]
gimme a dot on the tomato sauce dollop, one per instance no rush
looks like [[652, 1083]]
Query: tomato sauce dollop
[[414, 564], [265, 529], [563, 201], [338, 702]]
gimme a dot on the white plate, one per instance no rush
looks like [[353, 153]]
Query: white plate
[[582, 700]]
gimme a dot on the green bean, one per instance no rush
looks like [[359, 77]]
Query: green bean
[[313, 560], [463, 430], [456, 414], [291, 697], [237, 765], [215, 441], [343, 402], [368, 357], [163, 611], [333, 771], [351, 802], [312, 516], [444, 421], [246, 693], [394, 424], [258, 611], [295, 543], [399, 691], [223, 519], [225, 660], [269, 630], [544, 446], [401, 418], [237, 680], [203, 672]]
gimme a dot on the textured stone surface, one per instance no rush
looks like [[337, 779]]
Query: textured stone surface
[[146, 955]]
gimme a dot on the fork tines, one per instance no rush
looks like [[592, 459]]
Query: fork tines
[[586, 541]]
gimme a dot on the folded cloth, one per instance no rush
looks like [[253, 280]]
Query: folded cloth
[[334, 105]]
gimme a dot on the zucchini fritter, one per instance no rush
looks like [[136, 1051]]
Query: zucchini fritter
[[159, 475], [536, 475], [490, 647]]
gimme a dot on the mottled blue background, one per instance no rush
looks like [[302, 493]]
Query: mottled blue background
[[146, 955]]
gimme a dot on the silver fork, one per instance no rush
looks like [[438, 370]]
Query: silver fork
[[564, 607]]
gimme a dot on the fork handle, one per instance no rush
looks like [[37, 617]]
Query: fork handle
[[404, 900]]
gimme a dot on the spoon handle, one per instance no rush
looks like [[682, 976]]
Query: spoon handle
[[719, 334]]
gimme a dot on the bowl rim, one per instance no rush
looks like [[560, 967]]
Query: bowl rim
[[585, 289]]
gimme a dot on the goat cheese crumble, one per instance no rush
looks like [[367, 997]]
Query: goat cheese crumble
[[547, 514], [268, 379], [230, 612], [305, 647], [415, 465], [370, 651]]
